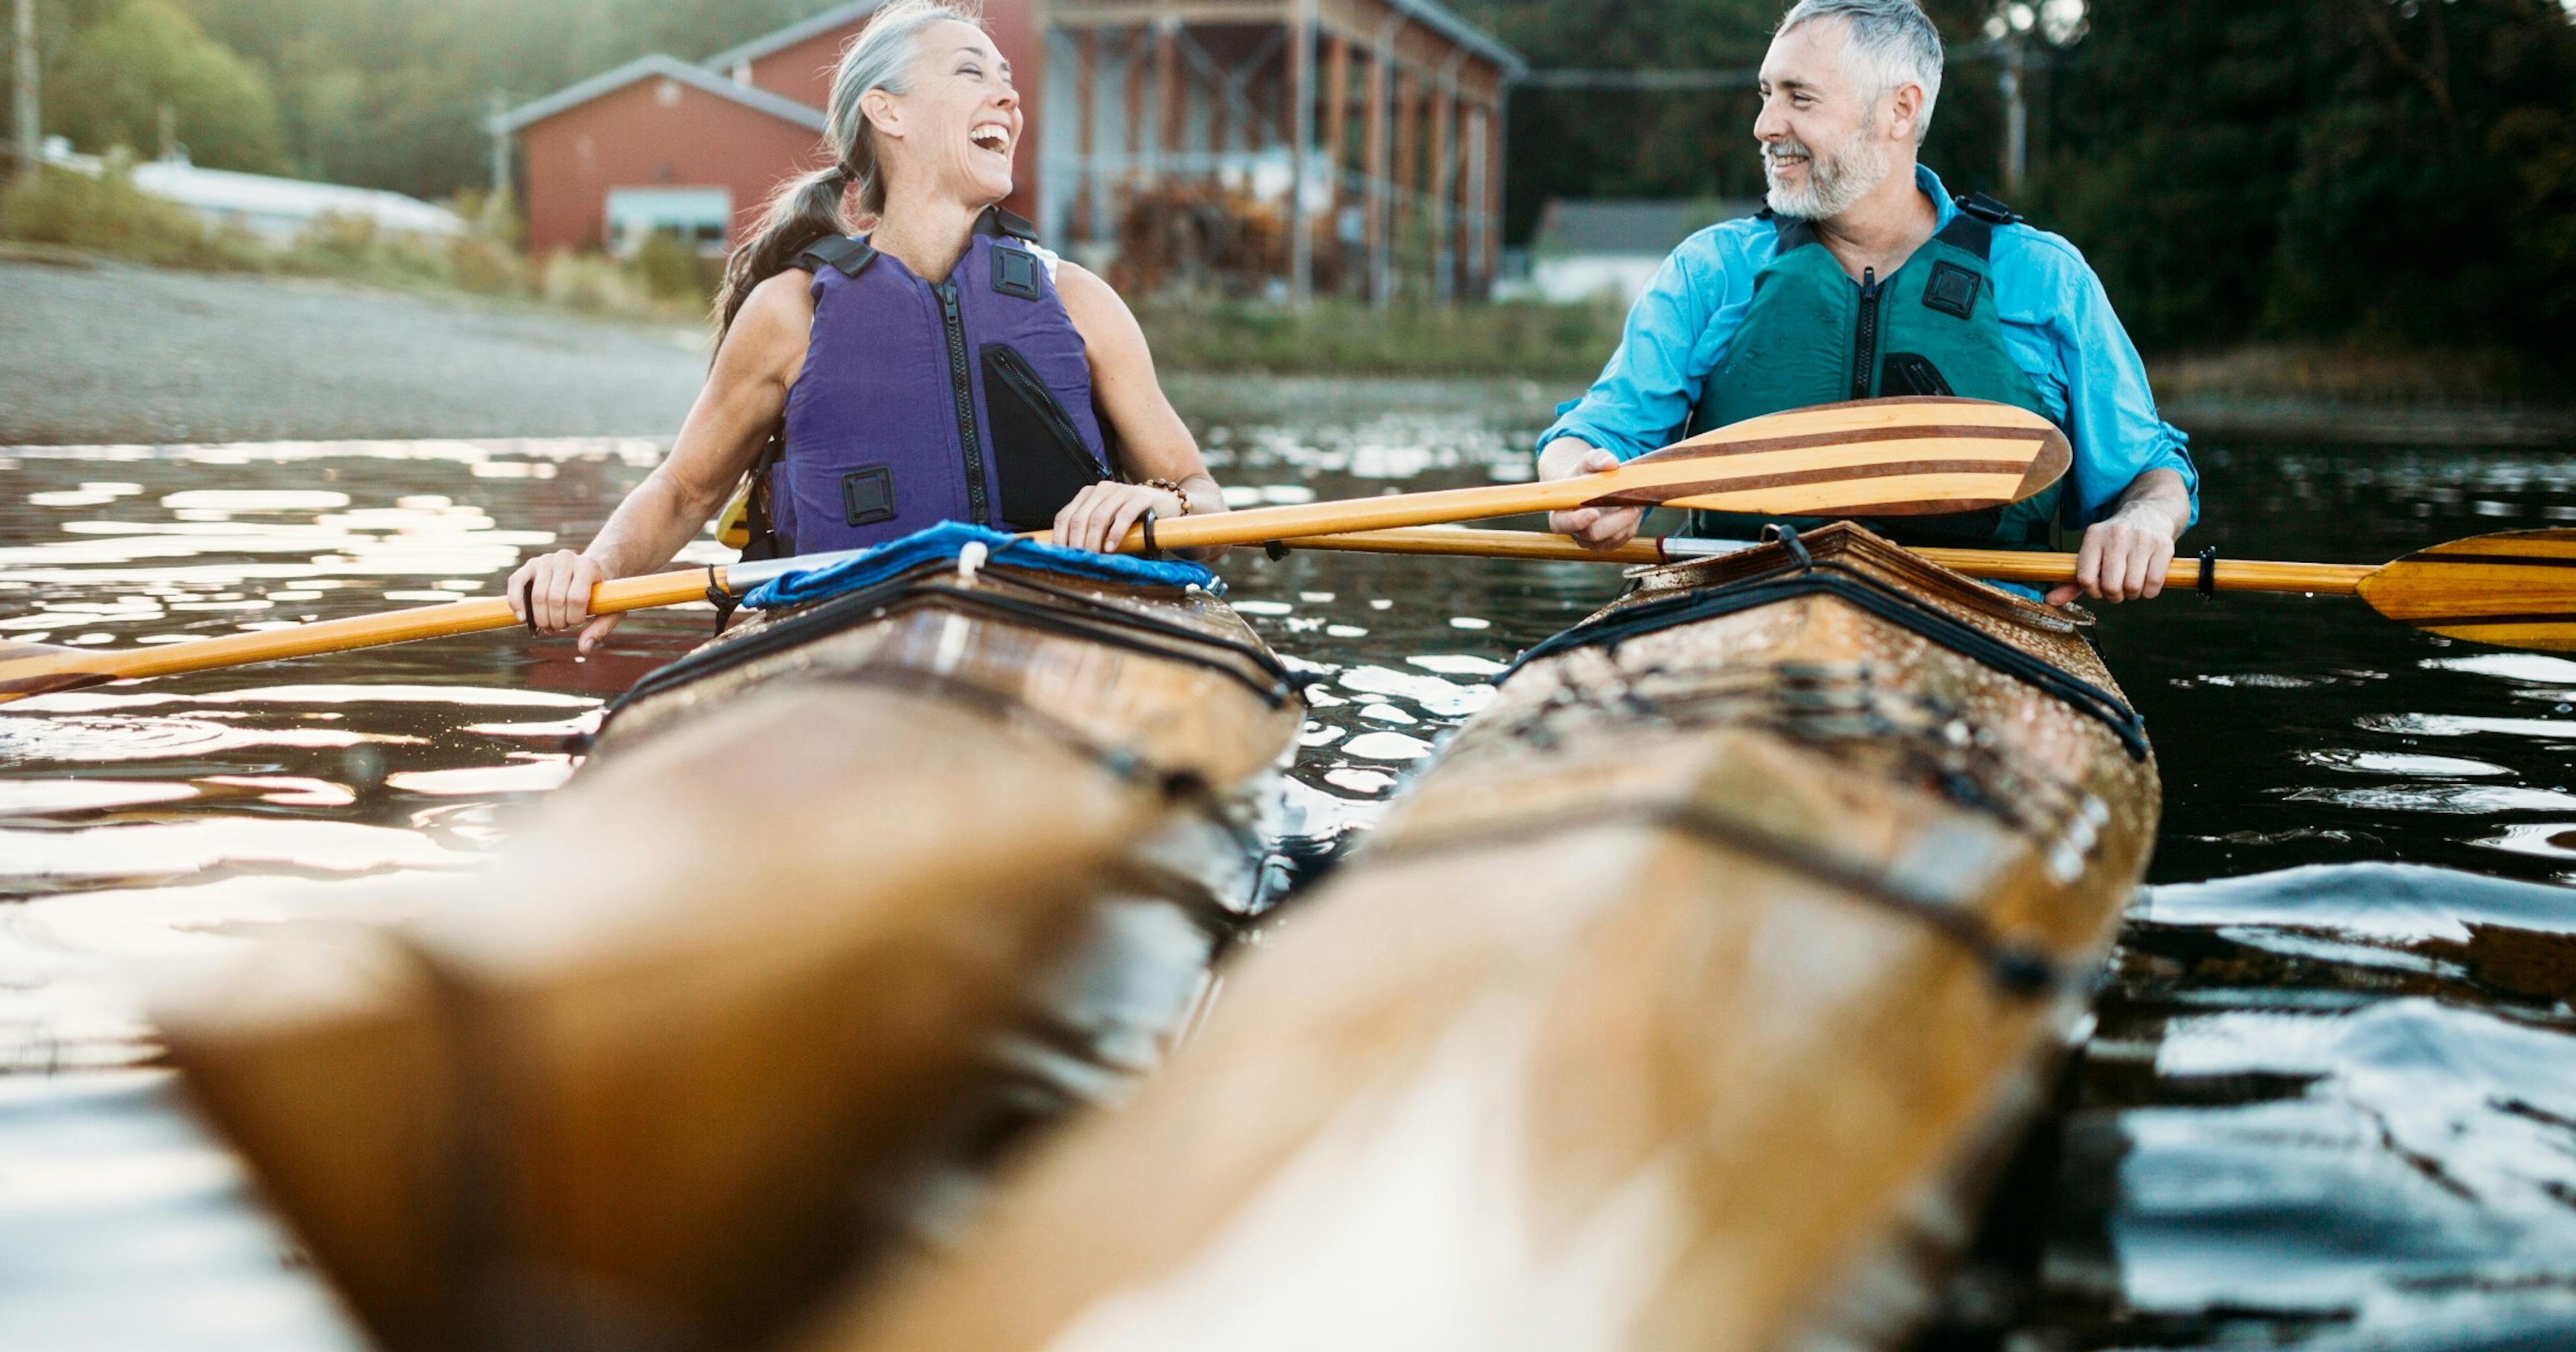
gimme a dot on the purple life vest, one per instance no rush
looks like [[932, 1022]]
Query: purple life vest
[[963, 400]]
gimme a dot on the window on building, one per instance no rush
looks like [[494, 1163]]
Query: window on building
[[701, 216]]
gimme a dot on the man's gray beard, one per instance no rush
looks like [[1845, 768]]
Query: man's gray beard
[[1835, 183]]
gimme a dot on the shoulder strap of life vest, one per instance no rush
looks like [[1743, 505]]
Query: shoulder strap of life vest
[[1973, 228], [1002, 224], [848, 254]]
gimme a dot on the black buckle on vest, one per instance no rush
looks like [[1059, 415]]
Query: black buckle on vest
[[1986, 209]]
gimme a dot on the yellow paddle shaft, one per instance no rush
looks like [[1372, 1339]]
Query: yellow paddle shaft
[[1999, 565], [330, 636]]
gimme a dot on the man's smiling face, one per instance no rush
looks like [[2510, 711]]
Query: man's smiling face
[[1822, 144]]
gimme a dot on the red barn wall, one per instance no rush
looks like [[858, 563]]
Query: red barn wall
[[641, 137]]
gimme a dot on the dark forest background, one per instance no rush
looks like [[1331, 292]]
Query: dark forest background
[[2387, 172]]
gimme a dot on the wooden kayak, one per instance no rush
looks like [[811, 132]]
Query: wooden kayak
[[1684, 1003], [836, 902]]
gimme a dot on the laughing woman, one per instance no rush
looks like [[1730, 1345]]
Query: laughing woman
[[941, 368]]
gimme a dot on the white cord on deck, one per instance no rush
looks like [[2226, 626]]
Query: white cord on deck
[[970, 559]]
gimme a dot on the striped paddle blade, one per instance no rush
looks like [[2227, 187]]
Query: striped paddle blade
[[1869, 458], [2516, 589]]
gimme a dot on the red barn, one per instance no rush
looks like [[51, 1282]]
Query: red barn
[[1370, 132]]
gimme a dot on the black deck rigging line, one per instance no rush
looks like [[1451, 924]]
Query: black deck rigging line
[[1070, 613], [1179, 786], [2019, 969], [1806, 577]]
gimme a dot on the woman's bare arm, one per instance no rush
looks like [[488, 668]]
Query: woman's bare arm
[[744, 395], [1153, 441]]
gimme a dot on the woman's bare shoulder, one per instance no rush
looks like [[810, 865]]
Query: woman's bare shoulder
[[785, 297], [771, 328]]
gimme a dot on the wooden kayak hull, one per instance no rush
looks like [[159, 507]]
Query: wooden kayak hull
[[656, 1071], [1677, 1006]]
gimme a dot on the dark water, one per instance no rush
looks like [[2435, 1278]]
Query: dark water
[[2331, 1098]]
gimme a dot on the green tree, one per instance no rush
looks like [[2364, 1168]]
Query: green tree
[[118, 74]]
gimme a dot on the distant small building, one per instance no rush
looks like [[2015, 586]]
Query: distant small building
[[1610, 247], [276, 210]]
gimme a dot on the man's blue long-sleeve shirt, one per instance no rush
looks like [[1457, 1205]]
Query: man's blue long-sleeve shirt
[[2057, 323]]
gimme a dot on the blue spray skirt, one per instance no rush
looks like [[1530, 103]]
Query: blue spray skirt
[[943, 543]]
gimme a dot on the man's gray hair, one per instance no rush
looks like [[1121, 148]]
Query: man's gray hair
[[1893, 43]]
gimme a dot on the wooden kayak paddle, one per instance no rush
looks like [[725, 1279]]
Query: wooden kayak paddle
[[2514, 589], [1877, 457]]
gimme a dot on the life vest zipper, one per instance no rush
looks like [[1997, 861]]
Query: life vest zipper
[[1865, 345], [961, 386]]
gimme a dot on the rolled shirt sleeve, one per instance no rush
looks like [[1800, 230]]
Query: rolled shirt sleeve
[[2110, 414]]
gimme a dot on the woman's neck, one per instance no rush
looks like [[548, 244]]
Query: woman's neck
[[927, 237]]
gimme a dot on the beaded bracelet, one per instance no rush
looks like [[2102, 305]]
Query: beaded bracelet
[[1174, 488]]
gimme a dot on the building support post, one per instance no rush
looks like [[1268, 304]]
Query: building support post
[[1381, 167], [1337, 114], [500, 106], [1167, 89], [1301, 154], [1496, 122], [30, 112], [1086, 119], [1407, 178], [1444, 180], [1471, 198]]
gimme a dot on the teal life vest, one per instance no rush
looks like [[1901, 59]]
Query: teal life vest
[[1814, 336]]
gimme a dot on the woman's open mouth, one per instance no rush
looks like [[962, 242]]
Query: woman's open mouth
[[992, 136]]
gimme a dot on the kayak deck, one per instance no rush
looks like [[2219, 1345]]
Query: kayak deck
[[1681, 1004], [653, 1073]]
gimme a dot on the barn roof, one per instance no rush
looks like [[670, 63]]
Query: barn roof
[[667, 67], [1438, 18], [794, 33]]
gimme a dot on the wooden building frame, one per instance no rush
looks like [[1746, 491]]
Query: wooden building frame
[[1379, 121]]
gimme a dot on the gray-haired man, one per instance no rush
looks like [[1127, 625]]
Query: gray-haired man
[[1866, 279]]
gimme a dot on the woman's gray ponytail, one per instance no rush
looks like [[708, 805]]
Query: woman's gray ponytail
[[808, 207]]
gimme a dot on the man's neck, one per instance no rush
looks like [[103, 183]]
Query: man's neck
[[1884, 229], [928, 237]]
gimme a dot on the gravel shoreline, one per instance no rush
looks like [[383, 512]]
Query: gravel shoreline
[[110, 353], [104, 352]]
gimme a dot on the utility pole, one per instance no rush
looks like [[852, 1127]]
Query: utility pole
[[31, 134], [2016, 114]]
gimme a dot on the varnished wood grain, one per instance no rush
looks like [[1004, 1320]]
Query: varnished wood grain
[[1629, 1031], [639, 1082], [2515, 588]]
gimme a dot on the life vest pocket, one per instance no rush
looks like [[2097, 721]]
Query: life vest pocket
[[1909, 373], [1041, 457]]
